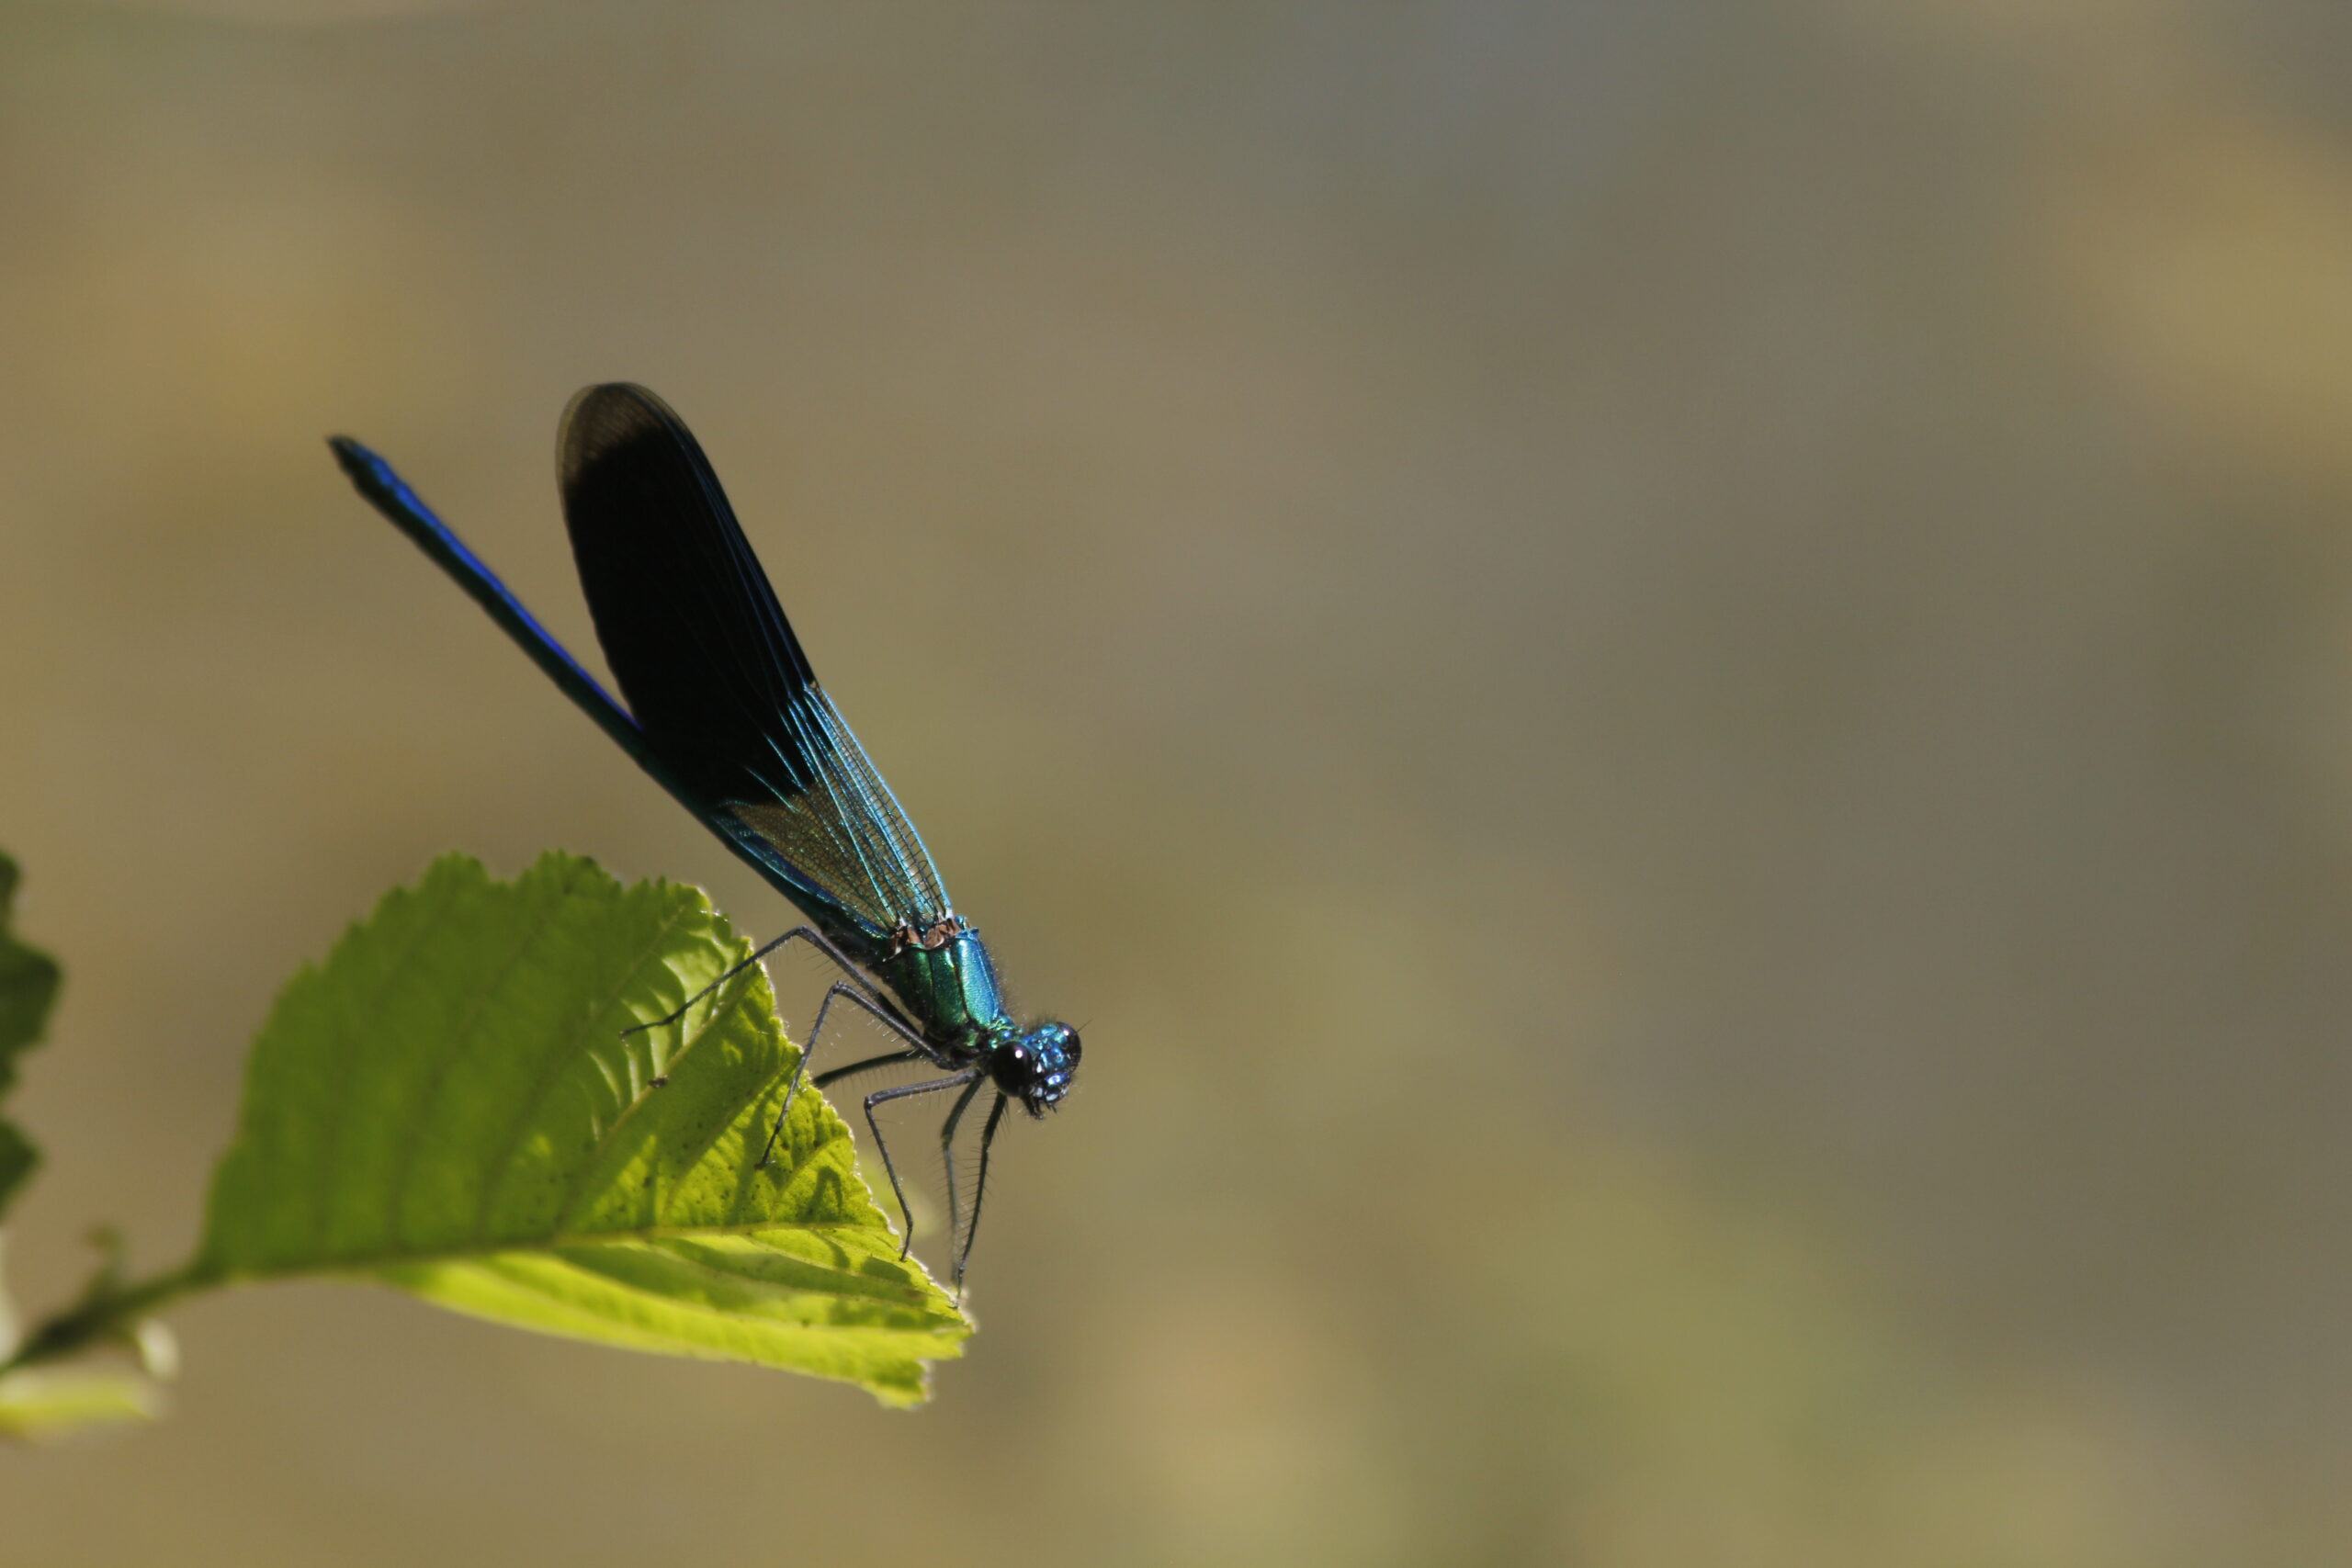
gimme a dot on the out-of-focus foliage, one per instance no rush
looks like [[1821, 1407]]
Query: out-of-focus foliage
[[28, 987], [448, 1103], [37, 1405]]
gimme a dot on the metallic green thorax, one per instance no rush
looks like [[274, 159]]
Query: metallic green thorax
[[951, 991]]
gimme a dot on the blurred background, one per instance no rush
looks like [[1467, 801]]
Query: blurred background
[[1671, 684]]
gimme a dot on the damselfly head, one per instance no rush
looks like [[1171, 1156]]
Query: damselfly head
[[1036, 1066]]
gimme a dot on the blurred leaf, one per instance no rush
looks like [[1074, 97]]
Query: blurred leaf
[[18, 1158], [27, 986], [42, 1404], [449, 1104]]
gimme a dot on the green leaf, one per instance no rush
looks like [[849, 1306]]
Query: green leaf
[[448, 1105], [18, 1158], [28, 987]]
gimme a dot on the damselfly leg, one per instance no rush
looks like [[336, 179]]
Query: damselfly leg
[[857, 995], [808, 934], [947, 1159], [979, 1191], [972, 1076]]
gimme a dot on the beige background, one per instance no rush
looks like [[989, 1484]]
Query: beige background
[[1670, 683]]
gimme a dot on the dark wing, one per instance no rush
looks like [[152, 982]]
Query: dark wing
[[712, 672]]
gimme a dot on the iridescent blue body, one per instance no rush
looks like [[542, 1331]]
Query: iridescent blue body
[[725, 713], [952, 989]]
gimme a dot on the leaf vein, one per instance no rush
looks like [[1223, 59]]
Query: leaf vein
[[497, 1171], [348, 1022]]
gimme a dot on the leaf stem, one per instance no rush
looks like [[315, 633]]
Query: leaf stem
[[108, 1311]]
